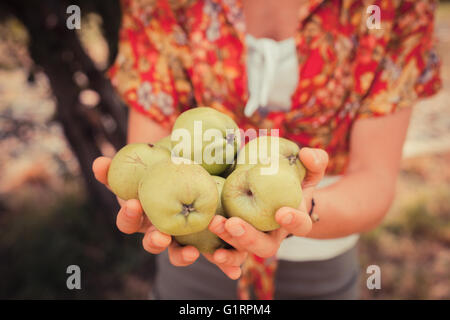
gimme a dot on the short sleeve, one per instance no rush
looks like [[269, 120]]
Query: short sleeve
[[410, 68], [148, 73]]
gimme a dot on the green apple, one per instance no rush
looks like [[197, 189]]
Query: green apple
[[165, 143], [129, 165], [264, 149], [255, 197], [229, 170], [179, 198], [206, 136], [206, 241]]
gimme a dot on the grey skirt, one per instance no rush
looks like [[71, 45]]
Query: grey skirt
[[336, 278]]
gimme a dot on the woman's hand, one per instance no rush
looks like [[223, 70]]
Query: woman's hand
[[131, 219], [296, 221]]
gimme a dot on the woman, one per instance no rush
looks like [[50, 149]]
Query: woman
[[317, 71]]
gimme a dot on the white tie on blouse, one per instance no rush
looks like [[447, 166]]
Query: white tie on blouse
[[272, 69]]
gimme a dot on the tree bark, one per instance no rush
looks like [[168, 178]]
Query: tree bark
[[58, 51]]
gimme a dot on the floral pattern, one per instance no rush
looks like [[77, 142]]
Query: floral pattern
[[179, 54], [176, 55]]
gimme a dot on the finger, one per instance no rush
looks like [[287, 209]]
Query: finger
[[182, 256], [155, 242], [100, 167], [315, 162], [232, 258], [250, 239], [135, 205], [294, 221], [217, 226], [129, 219], [121, 201], [145, 225], [231, 272]]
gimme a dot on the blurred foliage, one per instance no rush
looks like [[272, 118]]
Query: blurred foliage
[[90, 113], [56, 108], [412, 245], [39, 243]]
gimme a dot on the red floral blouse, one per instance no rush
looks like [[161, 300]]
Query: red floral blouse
[[178, 54], [175, 55]]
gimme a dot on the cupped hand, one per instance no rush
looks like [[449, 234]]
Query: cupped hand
[[131, 219], [296, 221]]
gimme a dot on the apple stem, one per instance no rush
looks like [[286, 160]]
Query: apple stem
[[187, 209], [230, 138], [292, 159]]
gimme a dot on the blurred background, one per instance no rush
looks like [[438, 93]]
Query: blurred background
[[58, 112]]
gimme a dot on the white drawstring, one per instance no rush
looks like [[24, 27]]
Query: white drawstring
[[265, 56]]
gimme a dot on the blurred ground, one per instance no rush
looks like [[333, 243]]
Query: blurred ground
[[412, 246], [46, 223], [430, 124]]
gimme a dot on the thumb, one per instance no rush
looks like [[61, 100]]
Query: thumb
[[315, 161], [100, 167]]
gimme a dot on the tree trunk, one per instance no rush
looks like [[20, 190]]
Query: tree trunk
[[58, 51]]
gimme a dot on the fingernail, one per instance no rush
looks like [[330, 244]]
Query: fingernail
[[236, 274], [220, 257], [154, 239], [189, 255], [219, 227], [236, 230], [130, 212], [287, 219], [316, 157]]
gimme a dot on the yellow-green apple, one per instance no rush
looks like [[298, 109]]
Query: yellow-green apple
[[206, 136], [129, 165], [252, 195], [206, 241], [273, 150], [178, 197]]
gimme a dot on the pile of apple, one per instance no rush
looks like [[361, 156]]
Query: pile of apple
[[180, 196]]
